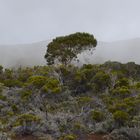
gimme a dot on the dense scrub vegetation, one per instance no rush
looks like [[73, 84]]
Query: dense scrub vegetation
[[68, 102]]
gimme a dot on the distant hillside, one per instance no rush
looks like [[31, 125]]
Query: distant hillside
[[33, 54], [23, 55]]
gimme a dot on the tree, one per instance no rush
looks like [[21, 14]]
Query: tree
[[64, 49], [1, 69]]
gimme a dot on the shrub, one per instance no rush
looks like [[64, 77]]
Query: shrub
[[25, 94], [101, 81], [125, 133], [84, 100], [77, 126], [137, 85], [24, 74], [37, 81], [12, 83], [121, 92], [122, 82], [120, 117], [1, 87], [136, 121], [97, 115], [27, 118], [68, 137], [52, 86], [118, 106], [3, 97], [14, 108], [10, 114]]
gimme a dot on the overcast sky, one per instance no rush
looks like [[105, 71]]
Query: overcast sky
[[27, 21]]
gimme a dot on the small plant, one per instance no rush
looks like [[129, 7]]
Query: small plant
[[84, 100], [12, 83], [122, 92], [25, 94], [1, 87], [4, 98], [137, 85], [27, 118], [68, 137], [37, 81], [52, 86], [14, 108], [120, 117], [101, 81], [97, 115]]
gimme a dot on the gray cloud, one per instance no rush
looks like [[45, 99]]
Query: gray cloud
[[25, 21]]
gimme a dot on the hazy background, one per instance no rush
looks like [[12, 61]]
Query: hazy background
[[27, 21], [33, 54]]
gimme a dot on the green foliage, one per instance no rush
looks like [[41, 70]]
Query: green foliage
[[97, 115], [14, 108], [89, 70], [86, 73], [77, 126], [131, 101], [10, 113], [64, 49], [137, 85], [118, 106], [131, 69], [3, 98], [68, 137], [12, 83], [136, 121], [121, 92], [24, 74], [118, 74], [8, 73], [108, 100], [127, 104], [122, 82], [27, 118], [42, 70], [82, 79], [84, 100], [101, 81], [1, 69], [1, 87], [25, 94], [121, 117], [37, 81], [52, 86]]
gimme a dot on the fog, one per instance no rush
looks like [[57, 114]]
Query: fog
[[33, 54], [121, 51], [22, 55]]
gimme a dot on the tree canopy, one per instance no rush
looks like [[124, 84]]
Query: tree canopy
[[64, 49]]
